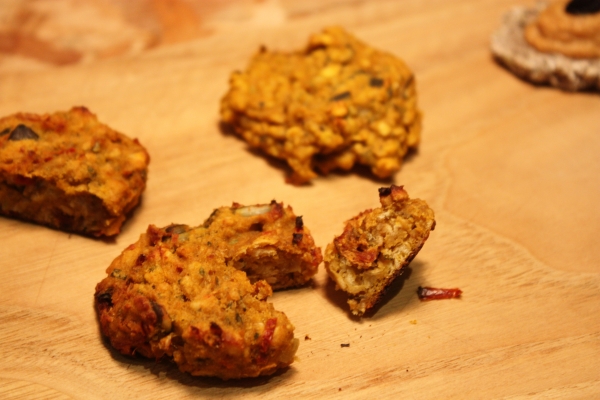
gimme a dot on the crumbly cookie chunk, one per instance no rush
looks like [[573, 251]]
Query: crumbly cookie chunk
[[511, 48], [557, 30], [177, 292], [330, 106], [266, 241], [376, 245], [69, 171]]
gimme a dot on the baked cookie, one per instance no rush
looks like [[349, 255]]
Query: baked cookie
[[177, 292], [332, 105], [266, 241], [556, 43], [376, 245], [69, 171]]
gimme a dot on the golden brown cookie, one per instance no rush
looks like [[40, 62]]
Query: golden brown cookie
[[334, 104], [376, 245], [181, 293], [69, 171]]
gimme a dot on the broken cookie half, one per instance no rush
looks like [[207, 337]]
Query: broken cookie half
[[376, 245]]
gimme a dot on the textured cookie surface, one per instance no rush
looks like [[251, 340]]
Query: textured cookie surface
[[510, 47], [376, 245], [69, 171], [178, 293], [332, 105], [266, 241]]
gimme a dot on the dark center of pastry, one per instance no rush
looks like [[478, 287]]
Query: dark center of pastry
[[577, 7]]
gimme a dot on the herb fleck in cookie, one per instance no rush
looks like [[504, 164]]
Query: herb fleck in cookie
[[69, 171], [376, 245], [198, 295], [332, 105]]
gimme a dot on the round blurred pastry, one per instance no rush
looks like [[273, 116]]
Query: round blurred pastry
[[556, 43]]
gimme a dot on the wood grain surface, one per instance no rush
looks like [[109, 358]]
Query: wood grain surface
[[511, 170]]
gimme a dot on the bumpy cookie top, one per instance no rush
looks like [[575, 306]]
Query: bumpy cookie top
[[336, 103], [74, 151], [173, 294]]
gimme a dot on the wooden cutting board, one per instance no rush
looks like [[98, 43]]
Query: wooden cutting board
[[510, 169]]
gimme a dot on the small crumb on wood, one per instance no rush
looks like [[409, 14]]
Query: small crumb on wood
[[307, 337], [345, 345]]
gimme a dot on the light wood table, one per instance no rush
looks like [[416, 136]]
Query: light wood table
[[511, 170]]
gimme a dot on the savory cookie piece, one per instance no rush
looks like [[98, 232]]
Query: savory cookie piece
[[376, 245], [184, 292], [163, 298], [556, 43], [334, 104], [69, 171], [266, 241]]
